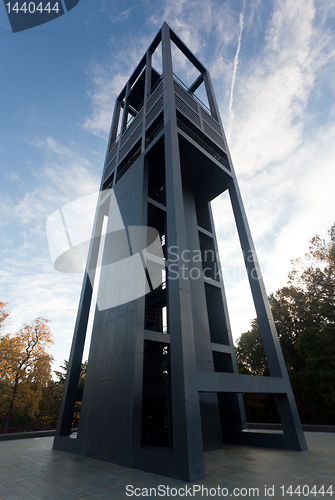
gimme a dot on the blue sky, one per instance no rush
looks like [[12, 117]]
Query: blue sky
[[272, 64]]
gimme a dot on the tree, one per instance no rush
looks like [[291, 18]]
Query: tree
[[24, 370], [304, 313], [250, 352], [3, 314], [251, 360], [59, 386]]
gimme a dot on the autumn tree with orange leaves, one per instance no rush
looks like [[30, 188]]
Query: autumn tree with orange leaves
[[24, 368]]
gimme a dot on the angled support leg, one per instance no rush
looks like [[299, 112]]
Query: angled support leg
[[286, 404]]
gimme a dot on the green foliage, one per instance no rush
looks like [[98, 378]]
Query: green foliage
[[59, 386], [250, 352], [304, 313]]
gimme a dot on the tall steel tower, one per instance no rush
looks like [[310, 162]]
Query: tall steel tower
[[162, 383]]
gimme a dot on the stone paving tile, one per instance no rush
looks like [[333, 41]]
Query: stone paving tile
[[31, 470]]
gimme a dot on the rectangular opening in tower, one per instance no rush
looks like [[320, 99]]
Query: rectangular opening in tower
[[155, 161], [216, 316], [222, 362], [108, 184], [260, 407], [208, 257], [154, 129], [155, 309], [203, 213], [156, 428], [128, 161]]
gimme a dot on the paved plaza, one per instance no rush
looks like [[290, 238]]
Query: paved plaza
[[31, 470]]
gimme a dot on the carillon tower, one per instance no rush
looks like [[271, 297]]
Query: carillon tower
[[162, 384]]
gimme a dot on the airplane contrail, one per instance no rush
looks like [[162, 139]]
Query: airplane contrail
[[230, 109]]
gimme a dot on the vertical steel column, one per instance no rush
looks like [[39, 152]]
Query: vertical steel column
[[115, 122], [237, 405], [126, 108], [211, 96], [186, 420], [147, 87], [236, 400]]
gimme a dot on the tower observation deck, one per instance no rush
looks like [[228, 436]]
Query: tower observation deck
[[162, 384]]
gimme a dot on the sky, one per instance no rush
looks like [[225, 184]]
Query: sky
[[272, 64]]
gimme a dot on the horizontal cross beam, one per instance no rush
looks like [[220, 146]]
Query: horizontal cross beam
[[231, 382]]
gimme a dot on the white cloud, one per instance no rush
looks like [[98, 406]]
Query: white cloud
[[284, 162], [29, 283], [108, 79], [124, 14], [273, 92], [285, 165], [13, 176], [188, 19], [106, 87]]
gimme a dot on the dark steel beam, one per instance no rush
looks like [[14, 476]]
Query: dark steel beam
[[235, 382], [196, 84]]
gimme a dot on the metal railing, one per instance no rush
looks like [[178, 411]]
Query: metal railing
[[203, 143], [121, 171], [154, 87], [154, 133], [195, 97]]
